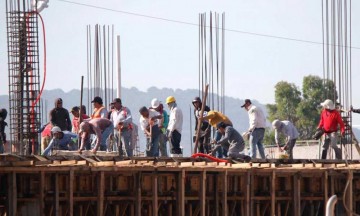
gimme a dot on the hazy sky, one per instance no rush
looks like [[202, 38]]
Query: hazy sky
[[165, 54]]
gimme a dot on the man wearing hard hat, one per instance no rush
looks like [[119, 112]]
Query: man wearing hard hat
[[174, 128]]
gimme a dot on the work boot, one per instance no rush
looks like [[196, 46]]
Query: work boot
[[323, 154], [338, 153]]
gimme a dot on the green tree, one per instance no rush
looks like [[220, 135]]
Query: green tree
[[287, 98]]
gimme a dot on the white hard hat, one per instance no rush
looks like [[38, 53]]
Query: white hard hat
[[55, 129], [155, 103], [328, 104]]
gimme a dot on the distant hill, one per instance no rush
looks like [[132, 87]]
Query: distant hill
[[134, 99]]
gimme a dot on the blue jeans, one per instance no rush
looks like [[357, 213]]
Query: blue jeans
[[221, 152], [152, 148], [125, 141], [256, 138], [105, 135]]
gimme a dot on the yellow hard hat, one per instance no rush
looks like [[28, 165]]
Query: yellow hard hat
[[170, 99]]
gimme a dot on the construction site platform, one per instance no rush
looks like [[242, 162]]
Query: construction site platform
[[105, 184]]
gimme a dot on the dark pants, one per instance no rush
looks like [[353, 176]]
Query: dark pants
[[221, 152], [175, 142], [204, 144]]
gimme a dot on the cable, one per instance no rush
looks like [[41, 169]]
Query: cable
[[193, 24]]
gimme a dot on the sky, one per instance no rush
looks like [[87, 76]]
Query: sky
[[161, 53]]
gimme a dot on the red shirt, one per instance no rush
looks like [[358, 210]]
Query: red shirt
[[329, 120], [76, 124]]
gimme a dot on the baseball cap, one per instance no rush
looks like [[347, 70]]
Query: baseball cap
[[116, 100], [97, 99], [246, 101]]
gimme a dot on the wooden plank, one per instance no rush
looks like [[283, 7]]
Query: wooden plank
[[42, 195], [155, 194], [186, 164], [104, 163], [123, 163], [203, 193], [71, 192], [241, 165], [43, 163], [200, 164], [224, 189], [101, 189], [22, 163], [68, 162], [40, 158]]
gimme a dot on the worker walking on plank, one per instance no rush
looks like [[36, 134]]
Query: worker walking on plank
[[232, 141], [330, 118], [174, 129], [256, 130], [149, 122], [63, 140], [101, 127], [289, 130]]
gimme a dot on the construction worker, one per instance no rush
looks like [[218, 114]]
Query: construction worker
[[163, 124], [256, 130], [99, 110], [75, 111], [62, 139], [123, 126], [3, 115], [289, 130], [174, 129], [330, 118], [101, 127], [149, 124], [60, 117], [231, 140], [214, 118], [45, 136], [205, 129]]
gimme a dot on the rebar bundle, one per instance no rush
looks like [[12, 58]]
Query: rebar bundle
[[336, 28], [23, 66], [212, 59]]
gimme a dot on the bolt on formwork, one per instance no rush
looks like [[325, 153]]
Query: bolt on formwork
[[23, 66]]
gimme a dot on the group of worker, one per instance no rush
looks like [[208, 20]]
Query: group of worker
[[112, 130]]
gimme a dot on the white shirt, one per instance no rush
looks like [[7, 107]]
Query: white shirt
[[122, 115], [144, 122], [256, 118], [176, 120]]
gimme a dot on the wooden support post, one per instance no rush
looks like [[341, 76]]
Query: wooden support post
[[203, 193], [349, 193], [41, 189], [297, 195], [138, 193], [57, 198], [12, 191], [326, 189], [155, 194], [248, 194], [101, 189], [71, 192], [273, 193], [224, 198], [181, 193], [216, 193]]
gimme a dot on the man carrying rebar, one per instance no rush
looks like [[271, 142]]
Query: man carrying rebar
[[330, 118]]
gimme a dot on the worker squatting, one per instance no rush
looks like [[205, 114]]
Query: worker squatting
[[114, 130]]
